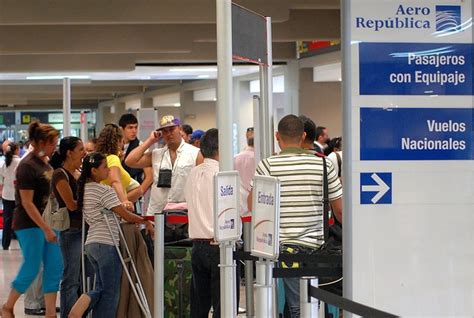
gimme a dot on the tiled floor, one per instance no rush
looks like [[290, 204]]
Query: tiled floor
[[9, 263]]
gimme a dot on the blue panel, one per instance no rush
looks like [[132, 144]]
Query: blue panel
[[370, 180], [415, 69], [416, 133]]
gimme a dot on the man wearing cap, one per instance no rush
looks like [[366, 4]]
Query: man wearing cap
[[171, 164], [195, 139]]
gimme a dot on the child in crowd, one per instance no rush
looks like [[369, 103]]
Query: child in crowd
[[93, 198]]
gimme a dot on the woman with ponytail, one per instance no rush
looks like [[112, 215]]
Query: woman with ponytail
[[66, 161], [8, 171], [92, 198], [38, 241]]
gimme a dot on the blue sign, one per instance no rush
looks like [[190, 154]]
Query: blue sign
[[416, 133], [415, 69], [376, 188]]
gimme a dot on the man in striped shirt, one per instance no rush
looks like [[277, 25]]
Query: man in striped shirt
[[301, 201]]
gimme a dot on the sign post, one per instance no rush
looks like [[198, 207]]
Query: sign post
[[265, 239], [227, 230], [408, 71], [252, 42]]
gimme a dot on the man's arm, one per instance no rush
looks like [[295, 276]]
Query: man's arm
[[137, 158], [337, 209], [199, 159]]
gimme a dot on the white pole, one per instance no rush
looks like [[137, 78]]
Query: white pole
[[308, 305], [224, 83], [67, 107], [159, 260], [259, 139], [263, 304], [264, 269], [84, 131], [224, 124]]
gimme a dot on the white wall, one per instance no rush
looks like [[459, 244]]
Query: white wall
[[322, 102]]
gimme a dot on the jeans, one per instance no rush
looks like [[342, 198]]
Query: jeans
[[205, 283], [292, 285], [36, 251], [108, 269], [70, 242], [292, 295], [8, 207]]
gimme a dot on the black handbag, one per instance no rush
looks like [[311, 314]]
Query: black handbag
[[175, 231], [332, 239]]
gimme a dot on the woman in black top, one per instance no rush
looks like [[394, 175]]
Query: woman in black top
[[66, 162], [38, 241]]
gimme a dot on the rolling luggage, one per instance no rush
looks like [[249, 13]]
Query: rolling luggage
[[177, 274]]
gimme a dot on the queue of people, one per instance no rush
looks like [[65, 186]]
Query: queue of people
[[115, 171]]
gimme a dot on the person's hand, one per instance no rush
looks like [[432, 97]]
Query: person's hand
[[155, 136], [50, 235], [128, 206], [150, 229]]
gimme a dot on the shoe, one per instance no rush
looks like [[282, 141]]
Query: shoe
[[35, 312]]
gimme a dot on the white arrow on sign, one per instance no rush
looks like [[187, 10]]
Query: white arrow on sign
[[381, 188]]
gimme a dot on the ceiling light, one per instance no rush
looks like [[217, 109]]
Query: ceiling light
[[57, 77], [177, 104], [203, 76], [208, 69]]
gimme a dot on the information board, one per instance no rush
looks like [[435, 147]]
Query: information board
[[227, 225], [265, 217], [409, 198]]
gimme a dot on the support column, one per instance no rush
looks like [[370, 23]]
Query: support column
[[67, 107], [224, 124]]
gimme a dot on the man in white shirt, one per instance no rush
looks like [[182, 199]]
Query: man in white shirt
[[199, 192], [171, 164]]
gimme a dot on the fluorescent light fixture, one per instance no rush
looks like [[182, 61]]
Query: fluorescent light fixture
[[204, 69], [177, 104], [196, 69], [57, 77], [203, 76]]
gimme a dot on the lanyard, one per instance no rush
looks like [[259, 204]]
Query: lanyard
[[173, 166]]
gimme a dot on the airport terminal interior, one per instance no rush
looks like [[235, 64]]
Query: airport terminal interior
[[141, 55], [79, 66]]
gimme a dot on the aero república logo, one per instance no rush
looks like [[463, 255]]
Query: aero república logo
[[448, 18]]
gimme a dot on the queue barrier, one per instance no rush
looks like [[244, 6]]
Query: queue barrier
[[310, 293]]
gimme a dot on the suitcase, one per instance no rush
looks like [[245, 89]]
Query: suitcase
[[177, 275]]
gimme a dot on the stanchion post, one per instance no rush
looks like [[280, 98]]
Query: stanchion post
[[228, 287], [308, 305], [249, 301], [264, 288], [159, 251]]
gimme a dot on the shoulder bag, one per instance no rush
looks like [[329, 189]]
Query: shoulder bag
[[56, 217]]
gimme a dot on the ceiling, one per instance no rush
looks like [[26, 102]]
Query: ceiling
[[104, 41]]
